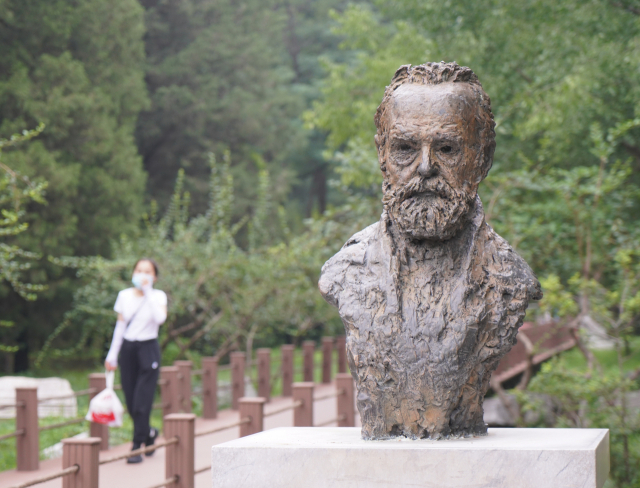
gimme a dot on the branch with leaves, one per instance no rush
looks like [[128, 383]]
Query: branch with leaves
[[16, 192]]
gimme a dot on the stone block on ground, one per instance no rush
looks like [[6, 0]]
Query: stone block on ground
[[47, 388], [224, 391]]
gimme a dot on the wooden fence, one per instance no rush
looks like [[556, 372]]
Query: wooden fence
[[176, 393], [81, 464]]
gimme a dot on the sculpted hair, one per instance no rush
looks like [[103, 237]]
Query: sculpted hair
[[434, 74]]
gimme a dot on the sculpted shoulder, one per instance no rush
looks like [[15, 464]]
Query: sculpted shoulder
[[508, 270], [351, 254]]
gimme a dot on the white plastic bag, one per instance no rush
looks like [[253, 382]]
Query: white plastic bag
[[105, 407]]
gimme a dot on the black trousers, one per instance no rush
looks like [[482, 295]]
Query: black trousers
[[139, 369]]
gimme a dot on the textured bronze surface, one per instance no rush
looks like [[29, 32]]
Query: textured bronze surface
[[430, 296]]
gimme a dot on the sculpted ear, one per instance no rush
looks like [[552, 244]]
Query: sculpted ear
[[479, 166], [485, 159]]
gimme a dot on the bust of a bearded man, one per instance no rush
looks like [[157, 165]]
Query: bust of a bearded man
[[430, 296]]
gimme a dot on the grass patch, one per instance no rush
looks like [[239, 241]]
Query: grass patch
[[608, 359]]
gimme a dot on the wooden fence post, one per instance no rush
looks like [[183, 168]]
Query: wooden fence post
[[84, 453], [180, 457], [185, 367], [169, 391], [286, 363], [254, 409], [341, 346], [346, 412], [264, 373], [308, 348], [210, 388], [303, 414], [98, 382], [327, 352], [237, 378], [28, 443]]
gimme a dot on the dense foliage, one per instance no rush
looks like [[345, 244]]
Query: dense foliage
[[217, 81], [77, 68], [16, 192], [222, 297], [126, 86], [234, 76]]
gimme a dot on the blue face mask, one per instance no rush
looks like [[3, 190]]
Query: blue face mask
[[138, 279]]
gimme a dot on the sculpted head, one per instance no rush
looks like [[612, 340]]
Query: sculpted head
[[435, 143]]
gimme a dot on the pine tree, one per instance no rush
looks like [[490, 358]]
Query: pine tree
[[77, 68], [218, 80]]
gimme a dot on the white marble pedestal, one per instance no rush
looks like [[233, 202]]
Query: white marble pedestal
[[310, 457]]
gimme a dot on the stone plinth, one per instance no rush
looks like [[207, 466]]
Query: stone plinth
[[338, 458]]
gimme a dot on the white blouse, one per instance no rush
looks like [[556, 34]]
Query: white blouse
[[146, 313]]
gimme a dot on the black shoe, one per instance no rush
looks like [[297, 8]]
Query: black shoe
[[135, 459], [151, 440]]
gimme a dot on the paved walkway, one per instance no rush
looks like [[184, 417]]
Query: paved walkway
[[151, 471]]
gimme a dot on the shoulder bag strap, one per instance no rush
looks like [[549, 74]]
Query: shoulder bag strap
[[134, 313]]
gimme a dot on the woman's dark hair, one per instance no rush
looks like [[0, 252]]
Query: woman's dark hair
[[153, 263]]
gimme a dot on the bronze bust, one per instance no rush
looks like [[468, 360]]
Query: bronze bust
[[430, 296]]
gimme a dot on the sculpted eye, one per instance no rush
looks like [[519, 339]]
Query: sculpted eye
[[403, 152], [446, 149]]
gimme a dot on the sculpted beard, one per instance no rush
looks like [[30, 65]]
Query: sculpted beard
[[427, 209]]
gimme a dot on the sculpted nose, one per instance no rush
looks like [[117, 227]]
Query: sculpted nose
[[427, 167]]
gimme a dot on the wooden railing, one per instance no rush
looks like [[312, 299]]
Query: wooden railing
[[176, 394], [536, 343], [81, 464]]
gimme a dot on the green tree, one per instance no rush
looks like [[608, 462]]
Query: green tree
[[227, 75], [310, 41], [218, 79], [16, 192], [552, 69], [76, 68]]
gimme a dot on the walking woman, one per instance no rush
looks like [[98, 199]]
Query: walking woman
[[141, 310]]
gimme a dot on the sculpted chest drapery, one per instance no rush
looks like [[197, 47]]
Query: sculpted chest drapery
[[430, 296]]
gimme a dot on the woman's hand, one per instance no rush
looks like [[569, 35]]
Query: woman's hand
[[146, 287], [110, 367]]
